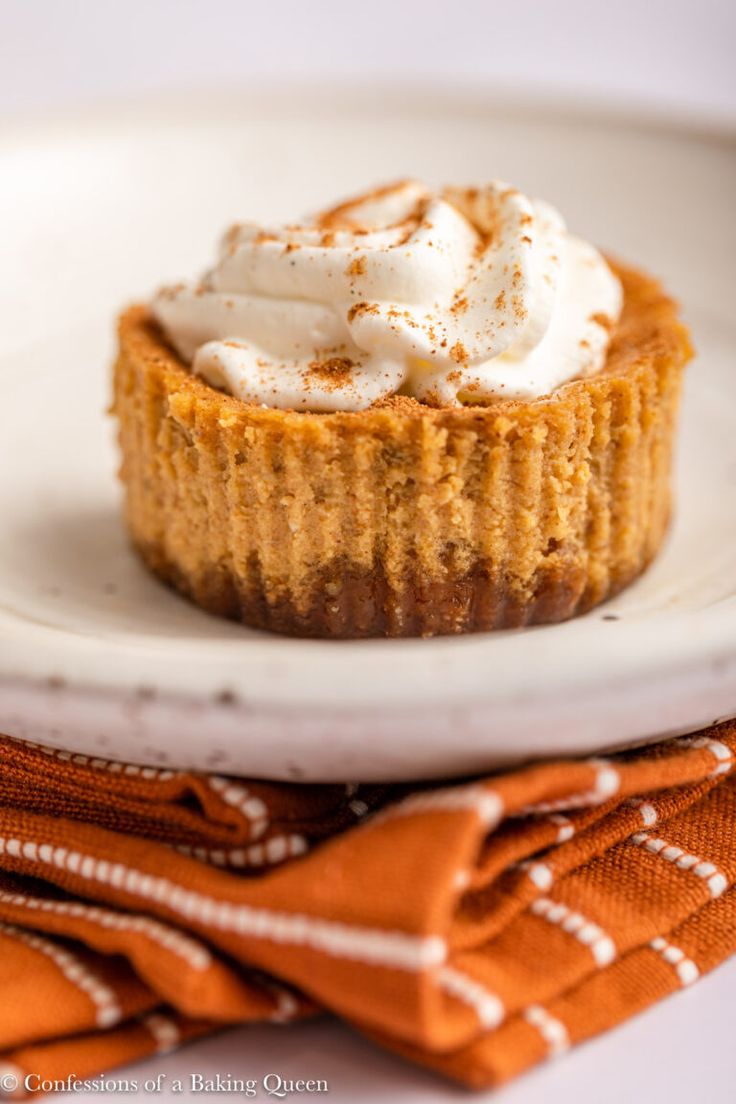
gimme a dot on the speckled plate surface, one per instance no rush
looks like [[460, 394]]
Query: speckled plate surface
[[97, 657]]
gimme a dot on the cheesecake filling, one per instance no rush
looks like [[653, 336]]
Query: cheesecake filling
[[460, 296]]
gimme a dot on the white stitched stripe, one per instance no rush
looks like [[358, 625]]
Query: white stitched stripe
[[486, 803], [565, 827], [287, 1005], [164, 1031], [538, 872], [401, 950], [277, 849], [487, 1006], [358, 807], [649, 815], [461, 879], [252, 808], [605, 785], [714, 878], [195, 954], [585, 931], [107, 1009], [287, 1008], [553, 1031], [721, 752], [685, 968], [114, 767]]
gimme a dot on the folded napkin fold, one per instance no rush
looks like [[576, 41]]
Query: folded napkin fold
[[476, 928]]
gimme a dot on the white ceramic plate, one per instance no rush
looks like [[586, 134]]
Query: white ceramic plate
[[97, 657]]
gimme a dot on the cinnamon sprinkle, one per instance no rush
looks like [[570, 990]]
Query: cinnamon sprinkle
[[232, 234], [341, 216], [603, 320], [363, 308], [357, 267], [335, 372], [171, 291], [458, 353]]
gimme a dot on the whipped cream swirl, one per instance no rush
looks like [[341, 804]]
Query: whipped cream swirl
[[468, 295]]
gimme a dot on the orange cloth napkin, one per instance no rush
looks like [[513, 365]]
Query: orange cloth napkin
[[477, 928]]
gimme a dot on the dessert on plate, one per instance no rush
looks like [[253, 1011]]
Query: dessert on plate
[[419, 412]]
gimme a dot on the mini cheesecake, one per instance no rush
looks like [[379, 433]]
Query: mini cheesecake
[[403, 519]]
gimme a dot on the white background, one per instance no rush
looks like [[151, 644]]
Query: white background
[[661, 56], [671, 54]]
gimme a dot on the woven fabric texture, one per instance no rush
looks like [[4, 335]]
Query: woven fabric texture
[[477, 927]]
